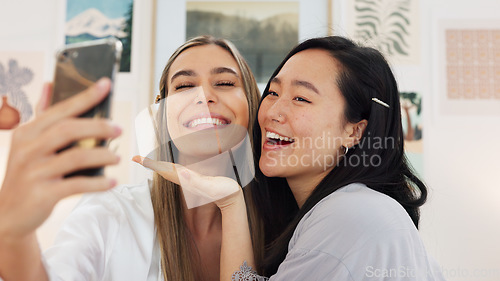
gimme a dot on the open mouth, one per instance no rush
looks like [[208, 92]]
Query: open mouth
[[277, 139], [207, 122]]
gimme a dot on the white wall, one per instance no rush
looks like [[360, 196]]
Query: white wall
[[461, 222]]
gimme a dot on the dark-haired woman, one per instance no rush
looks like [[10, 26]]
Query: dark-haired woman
[[330, 139], [340, 199]]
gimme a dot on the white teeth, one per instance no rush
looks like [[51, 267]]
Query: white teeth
[[271, 135], [208, 120]]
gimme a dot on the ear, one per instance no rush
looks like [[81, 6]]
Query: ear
[[355, 132]]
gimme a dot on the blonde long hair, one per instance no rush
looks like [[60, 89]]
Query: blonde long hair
[[175, 240]]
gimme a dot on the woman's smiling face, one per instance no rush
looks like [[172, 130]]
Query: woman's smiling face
[[302, 118], [207, 109]]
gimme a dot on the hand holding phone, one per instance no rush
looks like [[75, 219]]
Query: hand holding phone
[[34, 182]]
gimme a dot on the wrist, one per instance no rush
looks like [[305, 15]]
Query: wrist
[[21, 259], [233, 202]]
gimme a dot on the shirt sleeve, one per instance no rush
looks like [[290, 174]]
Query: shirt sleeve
[[300, 265], [303, 264], [84, 241]]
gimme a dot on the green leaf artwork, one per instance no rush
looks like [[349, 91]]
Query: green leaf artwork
[[385, 23]]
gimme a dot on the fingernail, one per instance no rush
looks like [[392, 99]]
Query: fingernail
[[117, 129], [103, 84], [46, 87], [137, 159], [112, 183]]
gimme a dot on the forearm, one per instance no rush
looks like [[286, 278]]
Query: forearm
[[20, 259], [236, 240]]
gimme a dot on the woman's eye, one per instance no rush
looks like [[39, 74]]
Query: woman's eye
[[183, 86], [225, 83], [272, 93], [301, 99]]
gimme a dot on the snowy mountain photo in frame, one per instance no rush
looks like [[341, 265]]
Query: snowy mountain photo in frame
[[96, 19]]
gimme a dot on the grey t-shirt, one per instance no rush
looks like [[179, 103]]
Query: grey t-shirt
[[356, 234]]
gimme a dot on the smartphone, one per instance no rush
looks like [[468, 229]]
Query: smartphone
[[78, 66]]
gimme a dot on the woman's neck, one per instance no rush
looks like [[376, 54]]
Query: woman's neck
[[303, 185], [203, 220], [202, 216]]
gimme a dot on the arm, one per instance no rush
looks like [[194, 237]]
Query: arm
[[34, 181], [27, 255], [236, 248]]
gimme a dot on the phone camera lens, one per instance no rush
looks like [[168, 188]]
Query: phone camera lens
[[63, 56]]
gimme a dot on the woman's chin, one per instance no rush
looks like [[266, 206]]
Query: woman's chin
[[270, 169]]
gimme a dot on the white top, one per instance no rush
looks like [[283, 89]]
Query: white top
[[108, 236], [357, 234], [353, 234]]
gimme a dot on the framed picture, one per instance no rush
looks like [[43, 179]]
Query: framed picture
[[468, 57], [96, 19], [412, 121], [21, 77], [262, 31], [130, 21], [177, 21], [465, 57], [391, 26]]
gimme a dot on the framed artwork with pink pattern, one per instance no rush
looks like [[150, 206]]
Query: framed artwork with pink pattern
[[469, 67]]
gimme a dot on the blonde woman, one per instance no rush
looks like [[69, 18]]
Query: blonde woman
[[129, 232]]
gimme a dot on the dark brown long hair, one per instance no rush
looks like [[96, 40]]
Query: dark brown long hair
[[175, 240]]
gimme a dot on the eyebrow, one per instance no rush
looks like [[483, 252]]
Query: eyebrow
[[301, 83], [182, 73], [219, 70], [190, 73]]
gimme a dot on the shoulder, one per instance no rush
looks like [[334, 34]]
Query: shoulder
[[104, 232], [360, 205], [121, 200], [137, 194], [366, 230], [352, 216], [104, 216]]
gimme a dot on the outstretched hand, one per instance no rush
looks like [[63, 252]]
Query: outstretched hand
[[223, 191]]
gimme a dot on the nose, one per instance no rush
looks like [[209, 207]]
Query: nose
[[276, 111], [205, 96]]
